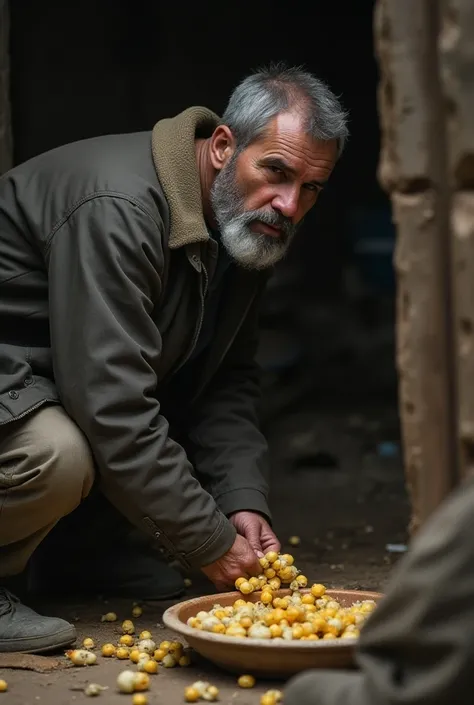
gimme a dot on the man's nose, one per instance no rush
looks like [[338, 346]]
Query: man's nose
[[286, 203]]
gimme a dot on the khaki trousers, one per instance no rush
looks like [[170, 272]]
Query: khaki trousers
[[46, 470]]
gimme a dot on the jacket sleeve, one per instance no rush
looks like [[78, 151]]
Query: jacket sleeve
[[229, 451], [104, 266]]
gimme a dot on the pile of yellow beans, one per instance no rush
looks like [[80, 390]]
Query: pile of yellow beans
[[305, 614]]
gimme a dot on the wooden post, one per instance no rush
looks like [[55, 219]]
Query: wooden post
[[6, 148], [413, 170], [456, 50]]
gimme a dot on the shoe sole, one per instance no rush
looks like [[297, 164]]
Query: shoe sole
[[40, 644]]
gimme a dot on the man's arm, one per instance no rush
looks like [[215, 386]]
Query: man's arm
[[104, 266], [229, 451]]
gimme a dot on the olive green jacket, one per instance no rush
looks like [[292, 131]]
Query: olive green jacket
[[105, 262]]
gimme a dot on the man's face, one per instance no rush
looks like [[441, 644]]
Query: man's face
[[260, 196]]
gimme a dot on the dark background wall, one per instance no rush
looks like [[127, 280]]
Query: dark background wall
[[100, 66], [81, 69]]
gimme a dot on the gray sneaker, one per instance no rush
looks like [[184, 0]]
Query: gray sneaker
[[24, 630]]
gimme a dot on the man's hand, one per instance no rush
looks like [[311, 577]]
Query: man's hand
[[239, 561], [257, 531]]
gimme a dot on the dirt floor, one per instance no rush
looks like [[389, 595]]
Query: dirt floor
[[345, 516]]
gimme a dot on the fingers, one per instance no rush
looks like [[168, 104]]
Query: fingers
[[248, 562], [269, 540], [272, 544], [253, 565], [241, 561], [257, 531], [252, 534]]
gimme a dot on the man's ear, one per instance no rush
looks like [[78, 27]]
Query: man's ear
[[222, 146]]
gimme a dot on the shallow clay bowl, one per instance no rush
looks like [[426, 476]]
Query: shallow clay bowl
[[263, 657]]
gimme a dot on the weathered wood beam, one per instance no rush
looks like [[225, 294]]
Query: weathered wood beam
[[456, 51], [412, 170]]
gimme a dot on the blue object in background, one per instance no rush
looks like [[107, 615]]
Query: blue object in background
[[388, 449], [396, 548], [372, 237]]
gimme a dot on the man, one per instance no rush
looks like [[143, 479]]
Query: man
[[417, 648], [130, 278]]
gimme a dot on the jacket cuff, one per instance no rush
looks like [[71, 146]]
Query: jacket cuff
[[215, 547], [246, 499]]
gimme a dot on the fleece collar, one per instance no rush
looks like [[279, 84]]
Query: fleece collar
[[174, 157]]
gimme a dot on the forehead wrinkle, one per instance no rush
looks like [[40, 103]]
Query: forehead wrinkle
[[289, 129], [294, 153]]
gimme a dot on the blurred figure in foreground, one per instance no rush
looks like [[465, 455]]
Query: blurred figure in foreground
[[418, 646]]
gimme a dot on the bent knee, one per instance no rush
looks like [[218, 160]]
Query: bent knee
[[60, 451]]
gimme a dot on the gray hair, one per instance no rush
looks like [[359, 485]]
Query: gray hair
[[276, 89]]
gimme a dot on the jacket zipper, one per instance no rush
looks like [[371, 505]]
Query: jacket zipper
[[203, 292], [225, 351], [28, 411]]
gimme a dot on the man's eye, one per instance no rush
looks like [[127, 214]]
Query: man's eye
[[275, 169]]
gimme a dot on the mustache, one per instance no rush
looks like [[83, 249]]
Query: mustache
[[273, 218]]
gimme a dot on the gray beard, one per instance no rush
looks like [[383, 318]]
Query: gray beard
[[250, 250]]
